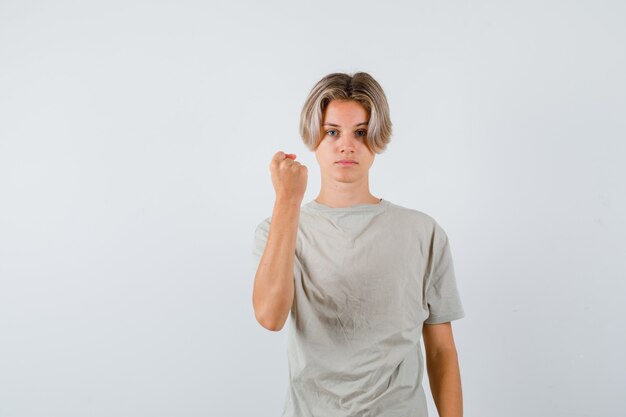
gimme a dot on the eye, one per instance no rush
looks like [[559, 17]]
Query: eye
[[361, 133], [328, 132]]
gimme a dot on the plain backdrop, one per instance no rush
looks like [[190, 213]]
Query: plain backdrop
[[135, 141]]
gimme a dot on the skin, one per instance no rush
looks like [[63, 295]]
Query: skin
[[442, 365], [344, 186], [273, 291], [341, 186]]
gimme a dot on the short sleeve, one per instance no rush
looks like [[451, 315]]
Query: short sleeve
[[260, 239], [442, 294]]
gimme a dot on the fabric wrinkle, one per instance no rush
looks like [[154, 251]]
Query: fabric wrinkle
[[366, 279]]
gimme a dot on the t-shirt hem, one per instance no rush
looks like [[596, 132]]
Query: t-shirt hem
[[444, 318]]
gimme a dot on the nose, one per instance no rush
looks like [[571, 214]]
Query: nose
[[347, 144]]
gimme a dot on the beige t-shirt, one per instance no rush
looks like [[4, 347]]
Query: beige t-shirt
[[366, 278]]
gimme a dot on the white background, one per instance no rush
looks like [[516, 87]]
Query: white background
[[135, 140]]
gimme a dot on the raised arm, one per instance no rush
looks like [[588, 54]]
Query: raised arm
[[273, 292]]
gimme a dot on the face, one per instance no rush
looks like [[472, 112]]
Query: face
[[344, 129]]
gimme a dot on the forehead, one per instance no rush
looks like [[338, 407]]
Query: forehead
[[347, 112]]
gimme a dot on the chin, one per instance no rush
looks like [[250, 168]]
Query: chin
[[346, 178]]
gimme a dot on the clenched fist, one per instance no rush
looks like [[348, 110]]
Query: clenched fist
[[288, 177]]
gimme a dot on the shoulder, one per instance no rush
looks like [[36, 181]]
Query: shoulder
[[419, 217], [407, 211], [423, 223]]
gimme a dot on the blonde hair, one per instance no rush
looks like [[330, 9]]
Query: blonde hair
[[360, 87]]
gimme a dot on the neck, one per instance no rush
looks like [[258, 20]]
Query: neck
[[340, 194]]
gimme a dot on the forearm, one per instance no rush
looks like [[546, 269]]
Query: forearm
[[273, 284], [445, 382]]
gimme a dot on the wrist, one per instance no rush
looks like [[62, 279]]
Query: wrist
[[288, 202]]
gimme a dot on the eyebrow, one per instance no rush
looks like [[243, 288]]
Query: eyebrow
[[334, 125]]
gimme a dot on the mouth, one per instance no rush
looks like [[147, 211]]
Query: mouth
[[346, 162]]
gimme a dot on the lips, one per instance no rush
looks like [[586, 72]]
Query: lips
[[347, 161]]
